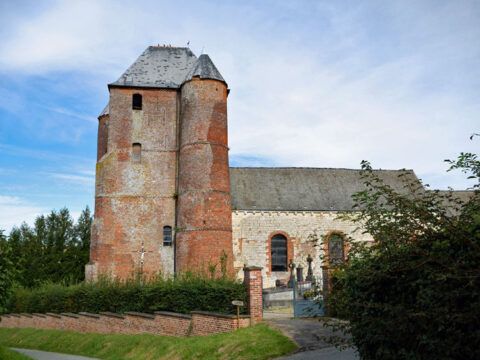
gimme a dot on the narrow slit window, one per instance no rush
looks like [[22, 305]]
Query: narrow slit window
[[279, 252], [167, 236], [335, 249], [137, 152], [137, 102]]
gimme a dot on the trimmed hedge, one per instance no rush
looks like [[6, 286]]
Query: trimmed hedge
[[181, 295]]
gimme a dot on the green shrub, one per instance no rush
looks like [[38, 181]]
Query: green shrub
[[414, 293], [182, 295]]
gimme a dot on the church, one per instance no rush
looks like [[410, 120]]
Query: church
[[167, 201]]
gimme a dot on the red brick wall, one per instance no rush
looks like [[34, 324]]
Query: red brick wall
[[134, 201], [204, 202], [160, 323], [102, 139], [253, 282], [205, 323]]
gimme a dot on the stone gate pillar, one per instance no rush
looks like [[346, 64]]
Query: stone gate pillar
[[254, 284]]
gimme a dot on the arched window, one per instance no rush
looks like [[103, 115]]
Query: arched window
[[137, 152], [335, 249], [167, 236], [137, 102], [279, 252]]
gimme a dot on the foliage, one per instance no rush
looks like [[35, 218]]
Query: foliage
[[7, 270], [414, 293], [182, 294], [256, 342], [55, 249]]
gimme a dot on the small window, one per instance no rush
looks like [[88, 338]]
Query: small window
[[167, 236], [137, 152], [279, 253], [137, 102], [335, 249]]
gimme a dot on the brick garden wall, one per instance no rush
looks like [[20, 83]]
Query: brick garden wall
[[159, 323]]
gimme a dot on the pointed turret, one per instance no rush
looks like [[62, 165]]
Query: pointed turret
[[204, 68], [204, 217]]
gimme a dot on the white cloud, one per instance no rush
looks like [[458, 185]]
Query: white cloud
[[15, 210], [62, 111], [394, 83], [75, 179]]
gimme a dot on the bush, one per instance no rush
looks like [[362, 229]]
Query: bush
[[181, 295], [415, 292]]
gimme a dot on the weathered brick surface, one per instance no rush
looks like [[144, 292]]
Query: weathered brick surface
[[254, 284], [205, 323], [204, 202], [252, 231], [160, 323], [135, 200]]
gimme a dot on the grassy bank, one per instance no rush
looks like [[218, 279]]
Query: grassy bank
[[258, 342], [7, 354]]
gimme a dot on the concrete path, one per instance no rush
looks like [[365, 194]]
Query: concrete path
[[323, 354], [45, 355], [310, 336]]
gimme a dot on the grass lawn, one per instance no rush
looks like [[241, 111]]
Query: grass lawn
[[257, 342], [7, 354]]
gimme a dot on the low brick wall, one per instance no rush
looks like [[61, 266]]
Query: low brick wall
[[159, 323], [207, 323]]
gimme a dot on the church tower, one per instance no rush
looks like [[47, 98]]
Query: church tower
[[162, 180], [204, 202]]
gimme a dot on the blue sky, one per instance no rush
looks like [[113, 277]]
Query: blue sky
[[313, 83]]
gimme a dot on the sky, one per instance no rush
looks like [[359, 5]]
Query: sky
[[313, 84]]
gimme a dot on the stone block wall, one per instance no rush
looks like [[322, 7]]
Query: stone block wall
[[252, 231]]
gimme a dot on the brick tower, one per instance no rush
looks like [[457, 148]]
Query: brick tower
[[204, 202], [162, 179]]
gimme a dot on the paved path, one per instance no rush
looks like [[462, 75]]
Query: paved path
[[310, 336], [45, 355], [322, 354]]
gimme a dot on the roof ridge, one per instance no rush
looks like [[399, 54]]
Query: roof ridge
[[310, 167], [160, 67]]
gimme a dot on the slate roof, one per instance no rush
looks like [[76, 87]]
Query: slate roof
[[303, 188], [159, 67], [106, 110], [166, 67], [204, 69], [457, 195]]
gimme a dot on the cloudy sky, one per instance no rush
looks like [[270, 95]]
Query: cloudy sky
[[313, 83]]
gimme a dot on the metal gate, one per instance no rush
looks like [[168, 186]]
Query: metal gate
[[307, 301]]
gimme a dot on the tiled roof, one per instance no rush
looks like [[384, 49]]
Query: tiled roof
[[304, 188]]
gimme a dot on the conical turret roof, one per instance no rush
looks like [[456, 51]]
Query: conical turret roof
[[205, 69]]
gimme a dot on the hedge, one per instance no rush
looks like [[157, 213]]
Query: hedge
[[181, 295]]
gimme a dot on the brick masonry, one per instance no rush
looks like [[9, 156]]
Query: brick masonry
[[254, 284], [134, 200], [160, 323], [204, 230]]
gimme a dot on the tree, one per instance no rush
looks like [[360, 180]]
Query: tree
[[7, 271], [414, 293], [54, 250]]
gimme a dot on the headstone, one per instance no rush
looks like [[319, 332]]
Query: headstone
[[299, 274]]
